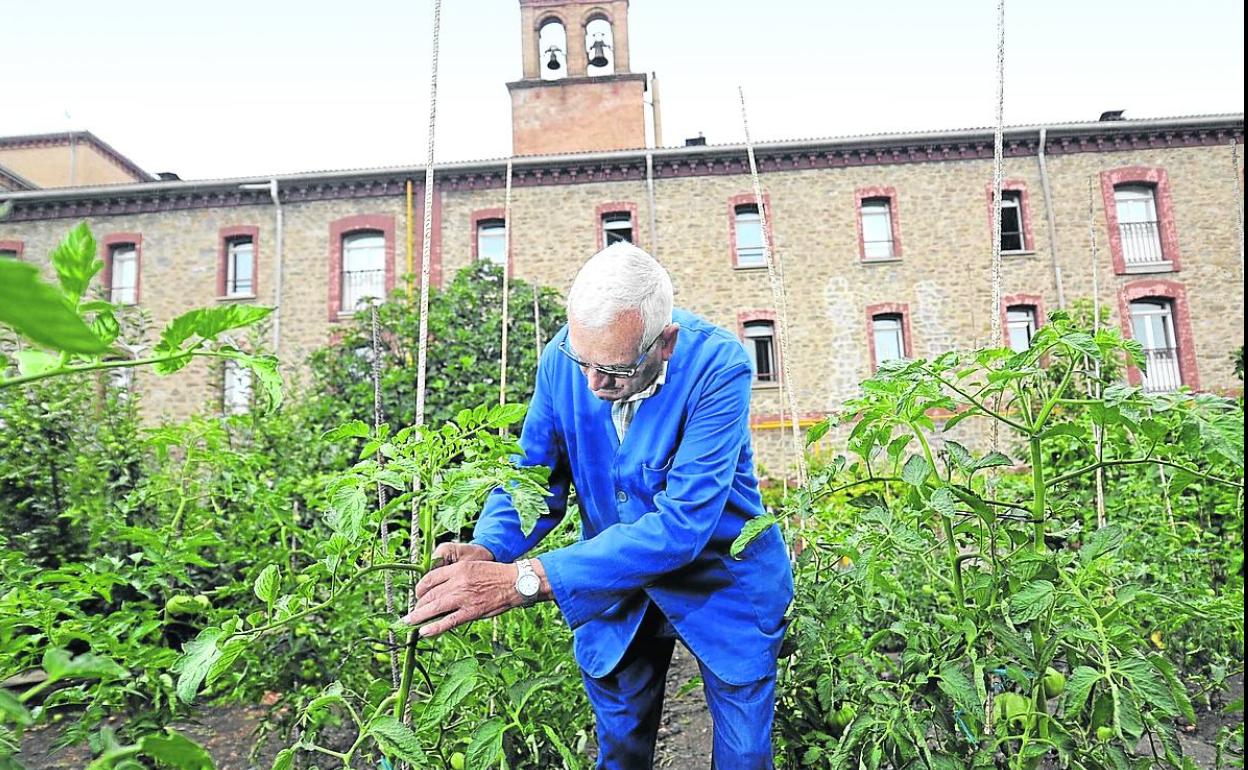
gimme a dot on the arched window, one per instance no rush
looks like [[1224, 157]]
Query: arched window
[[889, 334], [363, 267], [760, 345], [1152, 325], [1136, 205], [552, 49], [599, 47], [492, 241]]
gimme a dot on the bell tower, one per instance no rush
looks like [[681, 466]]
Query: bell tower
[[577, 93]]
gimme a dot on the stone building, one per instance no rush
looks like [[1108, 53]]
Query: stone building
[[885, 239]]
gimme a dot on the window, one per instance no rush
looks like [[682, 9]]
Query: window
[[748, 227], [492, 241], [123, 282], [1012, 238], [1152, 325], [552, 46], [1020, 326], [890, 337], [8, 253], [236, 388], [240, 262], [760, 345], [877, 229], [617, 226], [11, 249], [1138, 227], [598, 47], [120, 382], [363, 268]]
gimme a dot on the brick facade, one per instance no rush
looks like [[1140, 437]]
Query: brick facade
[[943, 281]]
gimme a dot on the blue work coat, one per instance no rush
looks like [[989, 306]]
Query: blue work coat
[[658, 510]]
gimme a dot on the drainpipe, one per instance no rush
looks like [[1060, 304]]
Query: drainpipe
[[274, 194], [654, 225], [1049, 216]]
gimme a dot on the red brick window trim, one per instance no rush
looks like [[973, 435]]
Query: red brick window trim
[[890, 311], [243, 286], [869, 195], [339, 230], [114, 243], [1016, 190], [760, 334], [1035, 303], [603, 210], [754, 257], [1144, 246], [16, 248], [487, 217], [1175, 295]]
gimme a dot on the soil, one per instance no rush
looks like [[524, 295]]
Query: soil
[[229, 732]]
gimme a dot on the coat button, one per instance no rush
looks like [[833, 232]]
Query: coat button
[[621, 495]]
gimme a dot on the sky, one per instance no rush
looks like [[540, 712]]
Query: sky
[[254, 87]]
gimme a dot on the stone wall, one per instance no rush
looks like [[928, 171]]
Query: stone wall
[[942, 278]]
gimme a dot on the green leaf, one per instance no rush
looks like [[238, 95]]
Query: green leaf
[[231, 651], [58, 665], [1032, 601], [176, 750], [461, 677], [12, 710], [352, 429], [266, 370], [943, 502], [1078, 687], [521, 691], [1150, 684], [505, 414], [285, 760], [206, 323], [486, 747], [992, 460], [75, 261], [1103, 541], [818, 431], [1127, 714], [398, 739], [954, 683], [960, 455], [916, 471], [198, 656], [39, 311], [749, 532], [267, 583], [570, 762], [36, 362]]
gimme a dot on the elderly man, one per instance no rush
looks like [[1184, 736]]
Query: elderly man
[[645, 412]]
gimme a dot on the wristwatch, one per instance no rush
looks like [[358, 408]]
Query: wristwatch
[[528, 584]]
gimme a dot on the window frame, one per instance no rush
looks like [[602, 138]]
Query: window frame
[[747, 318], [901, 310], [236, 408], [1167, 230], [108, 245], [339, 229], [768, 232], [866, 194], [1019, 188], [18, 248], [484, 215], [603, 210], [1034, 301], [1176, 294], [227, 237]]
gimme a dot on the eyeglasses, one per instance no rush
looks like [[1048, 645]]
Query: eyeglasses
[[619, 372]]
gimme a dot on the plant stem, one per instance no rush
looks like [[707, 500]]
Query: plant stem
[[980, 405], [1142, 461]]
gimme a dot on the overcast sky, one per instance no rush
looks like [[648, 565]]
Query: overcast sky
[[233, 88]]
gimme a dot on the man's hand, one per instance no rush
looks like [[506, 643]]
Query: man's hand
[[466, 591], [454, 553]]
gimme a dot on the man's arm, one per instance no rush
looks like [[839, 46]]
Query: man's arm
[[498, 529], [589, 577]]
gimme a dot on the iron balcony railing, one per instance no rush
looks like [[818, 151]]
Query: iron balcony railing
[[1161, 372], [358, 285], [1141, 243]]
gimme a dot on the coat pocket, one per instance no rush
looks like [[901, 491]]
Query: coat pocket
[[655, 478]]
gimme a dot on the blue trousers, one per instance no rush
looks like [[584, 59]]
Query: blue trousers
[[628, 703]]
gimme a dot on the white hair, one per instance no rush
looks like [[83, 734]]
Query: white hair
[[620, 278]]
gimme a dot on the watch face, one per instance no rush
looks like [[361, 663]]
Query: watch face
[[528, 585]]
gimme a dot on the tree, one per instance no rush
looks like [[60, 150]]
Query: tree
[[465, 344]]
